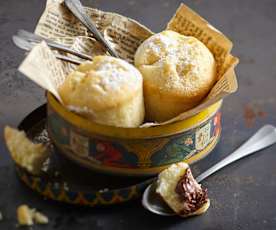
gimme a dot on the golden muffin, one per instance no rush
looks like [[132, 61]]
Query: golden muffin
[[178, 188], [107, 90], [178, 72]]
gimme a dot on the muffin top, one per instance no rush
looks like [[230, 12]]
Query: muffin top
[[176, 63], [104, 83]]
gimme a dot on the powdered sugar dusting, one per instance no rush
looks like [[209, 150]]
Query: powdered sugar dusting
[[180, 58], [114, 73]]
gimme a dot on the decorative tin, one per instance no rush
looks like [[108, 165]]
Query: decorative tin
[[83, 187], [132, 151]]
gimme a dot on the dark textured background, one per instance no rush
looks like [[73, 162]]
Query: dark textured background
[[242, 195]]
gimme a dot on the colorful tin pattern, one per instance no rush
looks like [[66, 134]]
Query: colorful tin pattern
[[138, 156], [59, 192], [51, 186]]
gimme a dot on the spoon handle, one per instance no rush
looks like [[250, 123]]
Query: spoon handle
[[77, 9], [263, 138]]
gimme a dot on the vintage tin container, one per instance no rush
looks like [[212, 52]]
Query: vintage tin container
[[57, 182], [132, 151]]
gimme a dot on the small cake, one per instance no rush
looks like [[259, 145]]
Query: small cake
[[178, 188], [25, 153], [27, 216], [107, 90], [178, 72]]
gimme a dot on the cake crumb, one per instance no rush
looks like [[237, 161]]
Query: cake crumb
[[103, 190], [24, 215], [27, 216], [40, 218]]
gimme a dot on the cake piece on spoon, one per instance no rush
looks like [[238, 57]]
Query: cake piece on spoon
[[178, 188]]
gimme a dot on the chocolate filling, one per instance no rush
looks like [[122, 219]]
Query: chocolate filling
[[190, 193]]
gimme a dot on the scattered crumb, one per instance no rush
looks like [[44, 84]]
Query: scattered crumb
[[24, 215], [27, 216], [65, 186], [104, 190], [40, 218]]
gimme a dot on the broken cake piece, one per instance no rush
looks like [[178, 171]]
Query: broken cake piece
[[178, 188], [27, 216], [25, 153]]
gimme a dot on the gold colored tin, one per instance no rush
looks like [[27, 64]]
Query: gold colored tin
[[132, 151]]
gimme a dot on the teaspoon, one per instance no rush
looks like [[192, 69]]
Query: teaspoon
[[263, 138]]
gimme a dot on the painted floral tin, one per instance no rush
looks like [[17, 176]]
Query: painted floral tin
[[132, 151]]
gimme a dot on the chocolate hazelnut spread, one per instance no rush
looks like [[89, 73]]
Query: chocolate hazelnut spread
[[190, 193]]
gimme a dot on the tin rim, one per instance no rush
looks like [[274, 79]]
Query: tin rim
[[132, 133]]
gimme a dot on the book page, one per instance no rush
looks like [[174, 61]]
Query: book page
[[123, 34], [42, 67]]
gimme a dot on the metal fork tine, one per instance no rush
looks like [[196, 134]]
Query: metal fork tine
[[68, 59], [25, 45], [21, 43], [30, 37]]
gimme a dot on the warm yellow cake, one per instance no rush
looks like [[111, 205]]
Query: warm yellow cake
[[27, 216], [107, 90], [178, 72], [181, 192], [25, 153]]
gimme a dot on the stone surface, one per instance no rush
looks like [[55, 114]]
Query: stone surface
[[242, 195]]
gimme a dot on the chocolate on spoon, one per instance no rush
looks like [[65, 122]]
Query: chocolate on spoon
[[263, 138]]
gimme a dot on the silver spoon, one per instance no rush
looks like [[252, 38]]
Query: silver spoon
[[77, 9], [263, 138]]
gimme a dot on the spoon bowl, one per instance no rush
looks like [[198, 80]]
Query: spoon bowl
[[154, 203]]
